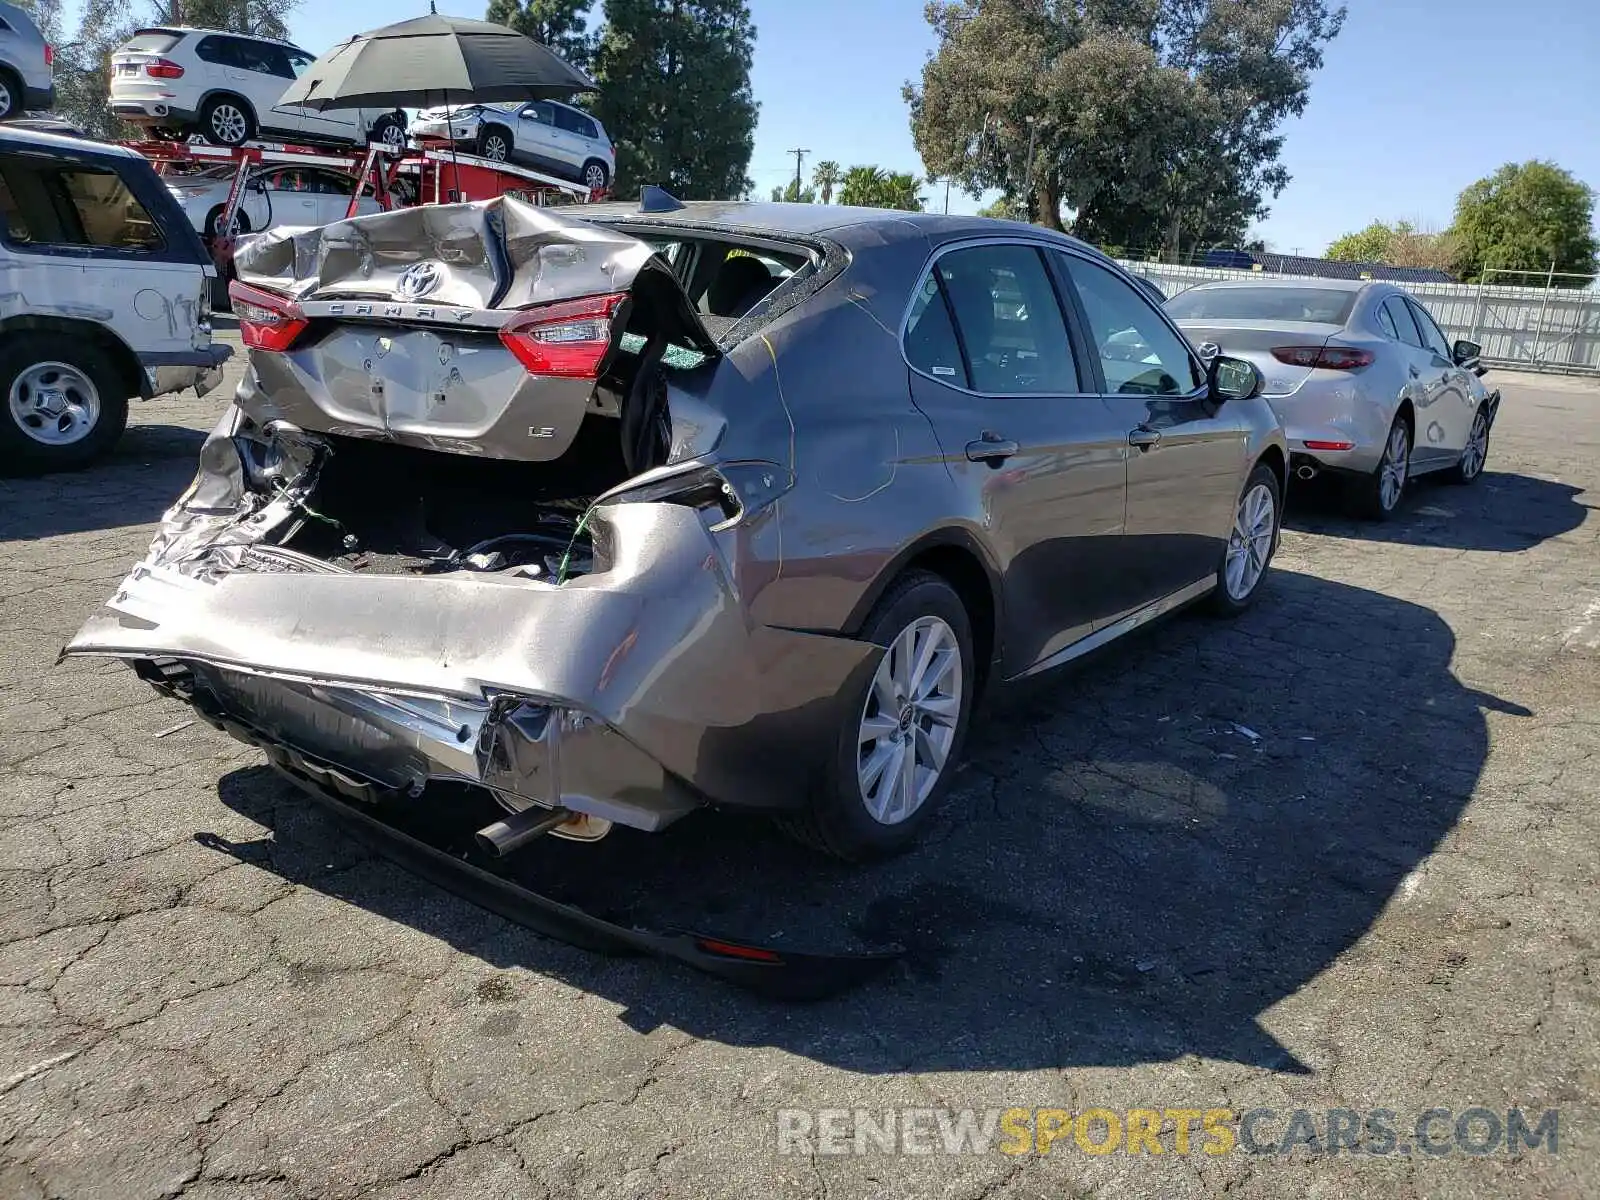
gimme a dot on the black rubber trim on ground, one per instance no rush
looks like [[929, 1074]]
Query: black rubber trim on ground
[[768, 971]]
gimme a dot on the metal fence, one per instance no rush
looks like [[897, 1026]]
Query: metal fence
[[1531, 329]]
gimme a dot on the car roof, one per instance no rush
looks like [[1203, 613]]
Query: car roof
[[184, 30], [11, 137], [1315, 282], [806, 219], [16, 16]]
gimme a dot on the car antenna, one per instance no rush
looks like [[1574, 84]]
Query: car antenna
[[653, 199]]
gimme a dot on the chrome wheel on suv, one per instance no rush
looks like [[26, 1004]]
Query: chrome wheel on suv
[[595, 176], [226, 123], [495, 145], [54, 403]]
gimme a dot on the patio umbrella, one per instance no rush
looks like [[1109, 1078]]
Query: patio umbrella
[[418, 62]]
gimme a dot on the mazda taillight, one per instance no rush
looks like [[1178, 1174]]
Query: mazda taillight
[[267, 321], [568, 339], [1327, 358], [163, 68]]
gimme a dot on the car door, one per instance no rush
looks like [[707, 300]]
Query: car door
[[1457, 405], [574, 137], [334, 124], [536, 135], [329, 194], [260, 73], [1037, 457], [1425, 383], [288, 198], [1186, 454]]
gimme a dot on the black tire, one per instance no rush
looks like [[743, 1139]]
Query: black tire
[[594, 170], [214, 218], [837, 821], [11, 94], [25, 453], [209, 121], [1223, 602], [1469, 467], [1367, 496], [386, 127], [495, 143]]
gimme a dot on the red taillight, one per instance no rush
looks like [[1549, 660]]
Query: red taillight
[[569, 339], [1330, 445], [267, 321], [49, 55], [1327, 358], [163, 68]]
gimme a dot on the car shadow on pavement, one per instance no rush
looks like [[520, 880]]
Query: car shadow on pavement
[[134, 485], [1503, 512], [1140, 858]]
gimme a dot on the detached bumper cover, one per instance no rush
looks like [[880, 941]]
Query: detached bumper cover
[[201, 370]]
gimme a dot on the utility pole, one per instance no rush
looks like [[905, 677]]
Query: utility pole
[[799, 155]]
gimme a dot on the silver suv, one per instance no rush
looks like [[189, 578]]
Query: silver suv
[[27, 64], [547, 136]]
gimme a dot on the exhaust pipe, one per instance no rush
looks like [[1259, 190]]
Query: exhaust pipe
[[1305, 471], [516, 831]]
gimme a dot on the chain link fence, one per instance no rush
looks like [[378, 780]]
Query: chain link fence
[[1553, 329]]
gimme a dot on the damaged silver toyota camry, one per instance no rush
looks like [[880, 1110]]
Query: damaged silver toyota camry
[[622, 511]]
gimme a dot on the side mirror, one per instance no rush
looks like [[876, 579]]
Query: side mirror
[[1232, 379], [1465, 353], [258, 185]]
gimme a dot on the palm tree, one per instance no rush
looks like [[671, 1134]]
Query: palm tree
[[862, 185], [825, 178], [902, 191]]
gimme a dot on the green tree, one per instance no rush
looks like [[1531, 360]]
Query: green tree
[[562, 25], [267, 18], [873, 187], [1525, 217], [1000, 210], [825, 178], [789, 194], [1368, 245], [1154, 120], [675, 80]]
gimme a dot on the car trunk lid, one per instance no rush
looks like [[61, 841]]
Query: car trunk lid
[[1255, 342], [488, 329]]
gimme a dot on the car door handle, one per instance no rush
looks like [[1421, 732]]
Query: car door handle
[[991, 448], [1144, 438]]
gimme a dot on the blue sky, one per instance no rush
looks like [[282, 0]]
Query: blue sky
[[1417, 98]]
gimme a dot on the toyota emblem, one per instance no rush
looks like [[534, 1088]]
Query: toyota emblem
[[418, 280]]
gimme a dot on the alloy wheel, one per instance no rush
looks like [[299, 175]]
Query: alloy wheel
[[594, 177], [228, 123], [1395, 466], [495, 148], [1477, 451], [54, 403], [908, 723], [1250, 543], [394, 137], [7, 101]]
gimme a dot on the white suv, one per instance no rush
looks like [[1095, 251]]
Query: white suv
[[547, 136], [226, 87]]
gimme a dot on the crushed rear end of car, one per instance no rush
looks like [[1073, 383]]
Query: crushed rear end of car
[[468, 523]]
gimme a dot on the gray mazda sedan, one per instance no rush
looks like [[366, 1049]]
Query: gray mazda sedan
[[616, 512]]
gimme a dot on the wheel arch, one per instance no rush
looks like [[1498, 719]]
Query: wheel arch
[[1273, 459], [956, 556], [117, 350], [227, 93], [511, 136]]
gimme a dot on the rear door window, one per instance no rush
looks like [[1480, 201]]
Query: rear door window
[[1008, 321], [574, 122], [1400, 318], [931, 345], [74, 204]]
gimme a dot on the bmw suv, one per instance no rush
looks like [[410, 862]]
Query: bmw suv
[[226, 86]]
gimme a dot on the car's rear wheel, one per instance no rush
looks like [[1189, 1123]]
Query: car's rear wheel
[[596, 175], [902, 734], [227, 121], [1251, 544], [241, 222], [64, 406], [10, 95], [389, 132], [494, 143], [1378, 495], [1469, 468]]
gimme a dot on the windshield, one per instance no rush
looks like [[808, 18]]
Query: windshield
[[1326, 305]]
